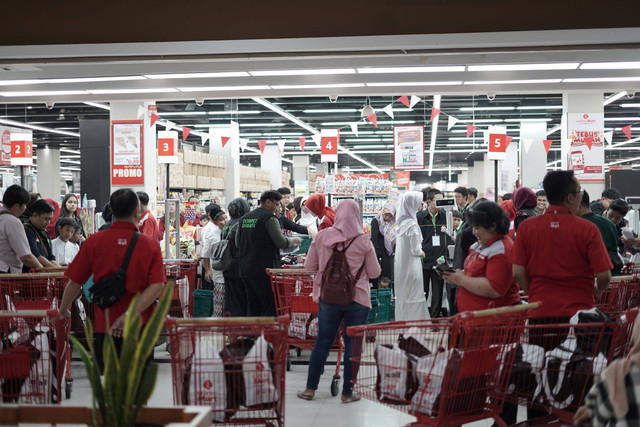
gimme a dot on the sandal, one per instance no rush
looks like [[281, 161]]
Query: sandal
[[304, 395], [349, 398]]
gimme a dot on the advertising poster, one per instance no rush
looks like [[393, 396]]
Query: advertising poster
[[408, 147], [5, 150], [586, 155], [127, 163]]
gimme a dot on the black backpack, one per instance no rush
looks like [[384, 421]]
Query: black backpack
[[338, 285]]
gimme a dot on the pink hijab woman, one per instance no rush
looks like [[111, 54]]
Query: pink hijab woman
[[361, 255]]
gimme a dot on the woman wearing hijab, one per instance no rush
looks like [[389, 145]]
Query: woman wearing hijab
[[235, 292], [361, 256], [317, 204], [410, 301], [525, 202], [383, 236]]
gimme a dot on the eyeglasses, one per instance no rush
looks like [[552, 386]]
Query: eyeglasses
[[578, 192]]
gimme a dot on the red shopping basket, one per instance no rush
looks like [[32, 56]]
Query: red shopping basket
[[33, 356], [445, 371], [183, 273], [292, 292], [236, 366], [31, 291], [622, 294]]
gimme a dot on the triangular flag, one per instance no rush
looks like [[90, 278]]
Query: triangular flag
[[243, 143], [405, 100], [373, 119], [485, 137], [317, 140], [354, 128], [167, 125], [608, 136], [588, 141], [281, 143], [470, 129], [452, 122], [547, 144], [627, 131], [508, 140], [414, 101], [141, 111], [435, 113], [301, 142], [389, 110], [205, 138], [185, 133], [154, 119], [224, 140], [262, 143], [527, 144]]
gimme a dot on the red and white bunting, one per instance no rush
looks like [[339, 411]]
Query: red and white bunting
[[452, 122], [509, 139], [205, 138], [627, 131], [281, 143], [153, 119], [608, 136], [527, 144], [373, 119], [316, 140], [435, 113], [354, 128], [547, 144], [470, 130], [262, 143], [224, 140], [185, 133], [414, 101], [389, 110], [301, 141], [404, 99], [141, 111], [243, 142]]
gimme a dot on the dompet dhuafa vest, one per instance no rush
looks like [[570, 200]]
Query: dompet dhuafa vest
[[256, 249]]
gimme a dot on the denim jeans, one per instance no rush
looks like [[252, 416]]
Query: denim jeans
[[330, 317]]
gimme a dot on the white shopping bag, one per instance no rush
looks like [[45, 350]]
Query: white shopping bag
[[258, 379]]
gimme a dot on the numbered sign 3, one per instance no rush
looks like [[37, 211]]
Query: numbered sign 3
[[21, 149], [167, 147]]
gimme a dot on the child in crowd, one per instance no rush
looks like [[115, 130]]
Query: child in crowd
[[77, 237], [384, 283], [63, 249], [219, 221], [204, 220]]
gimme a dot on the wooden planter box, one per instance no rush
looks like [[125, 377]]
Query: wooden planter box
[[189, 416]]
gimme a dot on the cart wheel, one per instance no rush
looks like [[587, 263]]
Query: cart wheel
[[299, 351], [335, 383], [68, 386], [288, 362]]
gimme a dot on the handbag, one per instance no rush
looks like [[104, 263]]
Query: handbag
[[109, 290], [221, 256]]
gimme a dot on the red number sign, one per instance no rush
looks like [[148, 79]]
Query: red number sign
[[166, 147], [21, 149], [497, 146], [329, 140]]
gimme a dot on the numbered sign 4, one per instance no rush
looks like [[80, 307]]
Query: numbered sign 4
[[329, 140], [21, 149]]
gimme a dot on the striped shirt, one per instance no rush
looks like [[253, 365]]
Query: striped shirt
[[599, 403]]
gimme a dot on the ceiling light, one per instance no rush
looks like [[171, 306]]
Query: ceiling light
[[66, 150], [19, 82], [528, 120], [525, 67], [43, 93], [622, 119], [388, 70], [360, 132], [540, 107], [261, 124], [630, 105], [363, 140], [213, 113], [368, 147], [319, 86], [40, 128], [99, 105], [481, 121], [602, 80], [197, 75], [508, 82], [487, 108], [282, 134], [222, 88], [125, 91], [460, 145], [614, 98], [94, 79], [75, 162], [330, 110], [183, 113], [449, 83], [317, 72], [610, 65]]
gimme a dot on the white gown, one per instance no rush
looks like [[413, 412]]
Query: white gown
[[410, 301]]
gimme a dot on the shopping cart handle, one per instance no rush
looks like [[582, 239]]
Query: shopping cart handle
[[226, 320], [507, 309], [288, 271], [622, 278]]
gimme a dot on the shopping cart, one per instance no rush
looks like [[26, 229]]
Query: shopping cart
[[622, 294], [444, 371], [33, 356], [632, 268], [556, 364], [183, 273], [236, 366], [292, 292]]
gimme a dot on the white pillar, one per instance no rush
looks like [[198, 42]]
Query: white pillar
[[509, 169], [463, 178], [48, 163], [122, 110], [231, 152], [533, 162], [580, 103], [272, 161]]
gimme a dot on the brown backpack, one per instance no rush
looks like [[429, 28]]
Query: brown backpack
[[338, 285]]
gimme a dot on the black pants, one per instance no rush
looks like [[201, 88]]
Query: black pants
[[235, 297], [99, 348], [206, 285], [452, 297], [429, 275], [260, 296]]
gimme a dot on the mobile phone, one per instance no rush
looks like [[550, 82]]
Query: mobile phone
[[627, 233], [441, 268]]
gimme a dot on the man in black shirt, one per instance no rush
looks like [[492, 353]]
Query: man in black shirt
[[37, 235]]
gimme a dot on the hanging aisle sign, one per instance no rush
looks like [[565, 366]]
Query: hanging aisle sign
[[127, 161], [408, 147], [167, 147], [329, 140], [21, 149], [586, 156], [497, 142]]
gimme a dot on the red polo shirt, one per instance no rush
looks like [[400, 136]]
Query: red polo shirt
[[102, 255], [561, 253], [148, 225], [490, 261]]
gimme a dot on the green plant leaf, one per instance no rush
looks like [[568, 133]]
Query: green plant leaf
[[93, 372], [131, 332], [147, 385]]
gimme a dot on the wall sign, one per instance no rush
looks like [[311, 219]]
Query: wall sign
[[21, 149], [408, 147], [127, 161], [329, 140], [167, 146], [586, 155]]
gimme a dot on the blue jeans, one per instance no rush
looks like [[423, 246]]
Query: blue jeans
[[330, 317]]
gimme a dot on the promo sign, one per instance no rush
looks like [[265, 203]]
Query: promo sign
[[5, 153], [329, 140], [127, 161], [408, 147], [21, 149], [167, 147], [403, 178], [586, 154]]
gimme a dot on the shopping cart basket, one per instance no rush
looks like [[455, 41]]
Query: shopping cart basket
[[632, 268], [183, 273], [33, 356], [622, 294], [556, 364], [444, 371], [236, 366], [292, 292]]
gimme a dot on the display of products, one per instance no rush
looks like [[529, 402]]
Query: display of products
[[352, 184]]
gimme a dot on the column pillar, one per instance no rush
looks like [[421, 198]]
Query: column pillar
[[95, 174], [49, 173], [463, 178], [508, 169], [533, 163], [272, 161], [231, 152]]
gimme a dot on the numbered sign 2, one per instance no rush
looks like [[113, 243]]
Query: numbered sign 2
[[21, 149], [329, 140]]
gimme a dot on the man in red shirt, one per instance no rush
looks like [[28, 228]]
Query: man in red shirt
[[147, 224], [102, 255]]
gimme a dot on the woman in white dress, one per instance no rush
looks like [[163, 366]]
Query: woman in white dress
[[410, 301]]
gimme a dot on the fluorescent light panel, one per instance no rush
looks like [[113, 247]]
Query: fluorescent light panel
[[614, 98], [525, 67], [318, 86], [632, 105], [220, 113], [331, 110], [610, 65], [197, 75], [43, 93], [540, 107], [527, 120], [257, 125], [319, 72], [389, 70], [448, 83], [622, 119], [183, 113], [601, 79], [126, 91], [222, 88], [507, 82], [40, 128], [99, 105], [487, 108]]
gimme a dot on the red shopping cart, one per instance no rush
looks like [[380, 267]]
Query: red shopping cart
[[33, 356], [632, 268], [292, 292], [622, 294], [444, 371], [236, 366], [183, 273]]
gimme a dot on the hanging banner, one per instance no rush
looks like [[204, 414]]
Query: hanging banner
[[586, 158], [408, 147], [329, 140], [167, 147], [127, 161], [403, 178], [22, 149]]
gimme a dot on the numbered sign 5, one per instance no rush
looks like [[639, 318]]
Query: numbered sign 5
[[497, 146]]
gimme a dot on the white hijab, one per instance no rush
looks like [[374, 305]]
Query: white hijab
[[306, 219], [408, 207]]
